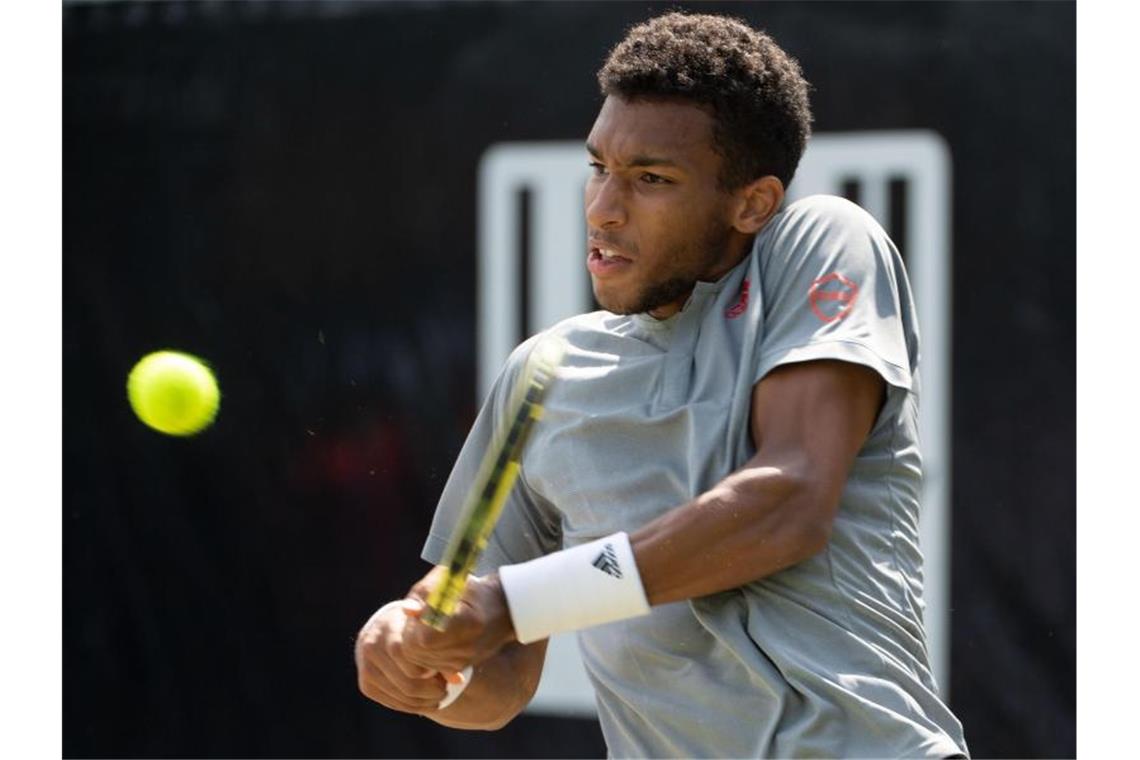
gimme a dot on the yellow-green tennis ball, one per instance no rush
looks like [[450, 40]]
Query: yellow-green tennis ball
[[173, 392]]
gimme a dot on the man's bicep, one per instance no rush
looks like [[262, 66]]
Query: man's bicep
[[815, 416]]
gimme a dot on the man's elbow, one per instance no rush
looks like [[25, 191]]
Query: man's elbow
[[812, 537], [808, 512]]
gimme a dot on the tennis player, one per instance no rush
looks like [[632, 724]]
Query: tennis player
[[722, 495]]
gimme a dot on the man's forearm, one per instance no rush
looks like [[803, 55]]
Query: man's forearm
[[757, 521], [500, 688]]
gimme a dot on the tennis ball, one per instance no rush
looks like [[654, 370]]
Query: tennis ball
[[173, 392]]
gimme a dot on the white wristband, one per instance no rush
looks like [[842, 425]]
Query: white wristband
[[575, 588], [453, 689]]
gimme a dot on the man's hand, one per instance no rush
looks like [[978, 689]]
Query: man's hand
[[480, 627], [384, 673]]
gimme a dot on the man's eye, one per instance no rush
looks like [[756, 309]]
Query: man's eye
[[654, 179], [598, 168]]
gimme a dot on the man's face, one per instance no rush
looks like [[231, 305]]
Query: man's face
[[656, 217]]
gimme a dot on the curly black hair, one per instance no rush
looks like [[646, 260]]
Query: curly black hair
[[756, 92]]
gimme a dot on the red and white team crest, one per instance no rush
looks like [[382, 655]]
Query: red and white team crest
[[832, 296], [734, 311]]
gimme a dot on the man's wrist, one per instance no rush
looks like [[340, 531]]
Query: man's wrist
[[575, 588], [502, 625]]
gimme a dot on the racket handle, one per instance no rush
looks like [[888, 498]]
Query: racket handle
[[443, 600]]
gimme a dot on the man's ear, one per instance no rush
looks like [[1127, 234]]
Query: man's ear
[[757, 202]]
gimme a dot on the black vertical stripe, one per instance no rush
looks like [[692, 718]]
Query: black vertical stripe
[[899, 188], [523, 205]]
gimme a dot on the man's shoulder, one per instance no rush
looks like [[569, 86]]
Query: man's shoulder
[[590, 323], [573, 329], [815, 211], [817, 226]]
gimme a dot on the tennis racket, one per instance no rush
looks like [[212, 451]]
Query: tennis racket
[[496, 477]]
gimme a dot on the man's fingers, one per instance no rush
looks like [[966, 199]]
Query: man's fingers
[[395, 664], [424, 585], [392, 690], [395, 657], [448, 651], [412, 670], [377, 692], [438, 662], [432, 650], [413, 607]]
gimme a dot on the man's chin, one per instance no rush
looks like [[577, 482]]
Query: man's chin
[[615, 304], [610, 301], [665, 295], [620, 309]]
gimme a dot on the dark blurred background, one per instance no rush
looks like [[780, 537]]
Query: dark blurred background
[[288, 190]]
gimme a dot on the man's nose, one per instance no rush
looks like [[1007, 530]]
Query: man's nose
[[605, 203]]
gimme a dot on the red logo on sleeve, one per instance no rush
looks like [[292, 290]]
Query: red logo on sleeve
[[734, 311], [832, 296]]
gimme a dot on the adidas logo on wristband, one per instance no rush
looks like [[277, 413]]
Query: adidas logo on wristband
[[607, 562]]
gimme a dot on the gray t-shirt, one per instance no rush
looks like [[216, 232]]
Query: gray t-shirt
[[825, 659]]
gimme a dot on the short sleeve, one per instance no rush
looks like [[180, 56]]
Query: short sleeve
[[528, 526], [834, 287]]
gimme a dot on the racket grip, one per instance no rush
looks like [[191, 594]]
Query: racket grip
[[443, 600], [434, 618]]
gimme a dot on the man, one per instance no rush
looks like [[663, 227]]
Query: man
[[721, 497]]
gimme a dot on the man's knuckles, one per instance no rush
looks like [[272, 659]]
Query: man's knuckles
[[393, 689], [393, 646]]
